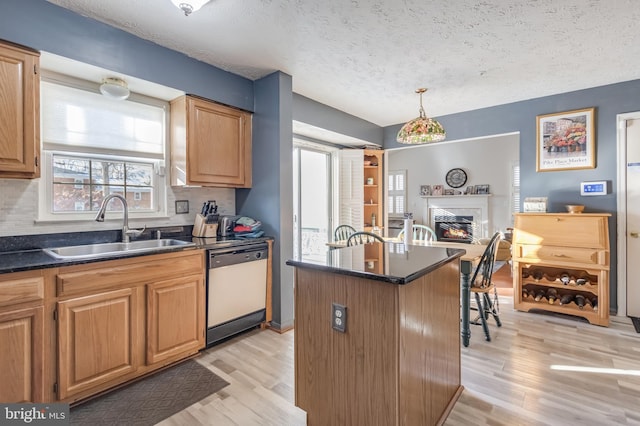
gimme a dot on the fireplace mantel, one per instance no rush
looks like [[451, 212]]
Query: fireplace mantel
[[459, 205]]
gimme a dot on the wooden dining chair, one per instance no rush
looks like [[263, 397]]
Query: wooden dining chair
[[420, 233], [485, 292], [363, 237], [342, 232]]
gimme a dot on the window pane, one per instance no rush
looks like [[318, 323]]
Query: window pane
[[400, 182], [98, 172], [69, 169], [139, 198], [115, 204], [113, 172], [71, 197], [139, 174]]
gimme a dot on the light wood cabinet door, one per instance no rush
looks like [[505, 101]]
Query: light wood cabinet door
[[175, 317], [19, 112], [97, 339], [22, 355], [210, 144]]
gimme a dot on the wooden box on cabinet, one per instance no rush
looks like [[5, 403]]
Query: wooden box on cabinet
[[19, 112], [210, 144], [562, 254]]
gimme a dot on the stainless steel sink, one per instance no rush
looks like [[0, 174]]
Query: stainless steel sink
[[93, 251]]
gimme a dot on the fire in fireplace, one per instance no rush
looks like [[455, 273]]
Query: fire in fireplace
[[457, 229]]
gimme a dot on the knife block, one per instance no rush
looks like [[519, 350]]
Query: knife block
[[203, 229]]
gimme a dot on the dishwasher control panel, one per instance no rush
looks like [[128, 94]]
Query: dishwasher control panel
[[232, 256]]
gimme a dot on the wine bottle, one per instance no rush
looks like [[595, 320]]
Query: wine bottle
[[593, 301], [584, 279], [565, 278], [552, 295], [525, 294], [566, 299], [539, 295], [579, 299], [537, 274]]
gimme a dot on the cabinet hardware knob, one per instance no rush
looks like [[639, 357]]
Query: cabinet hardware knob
[[633, 234]]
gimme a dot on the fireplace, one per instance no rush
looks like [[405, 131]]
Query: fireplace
[[457, 229], [476, 206]]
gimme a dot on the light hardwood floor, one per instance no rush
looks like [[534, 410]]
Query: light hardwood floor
[[508, 381]]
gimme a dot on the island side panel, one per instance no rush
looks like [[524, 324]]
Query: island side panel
[[430, 378], [346, 378]]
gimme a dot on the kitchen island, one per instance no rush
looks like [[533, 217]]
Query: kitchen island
[[377, 343]]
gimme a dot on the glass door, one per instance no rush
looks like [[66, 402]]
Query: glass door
[[311, 202]]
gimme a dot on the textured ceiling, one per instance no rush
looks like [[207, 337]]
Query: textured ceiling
[[367, 57]]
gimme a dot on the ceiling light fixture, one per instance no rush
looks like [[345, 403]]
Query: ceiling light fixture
[[114, 88], [188, 6], [422, 129]]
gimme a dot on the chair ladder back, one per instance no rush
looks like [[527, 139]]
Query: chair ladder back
[[482, 275], [363, 237], [343, 232]]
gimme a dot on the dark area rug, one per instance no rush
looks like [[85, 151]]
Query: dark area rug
[[151, 399]]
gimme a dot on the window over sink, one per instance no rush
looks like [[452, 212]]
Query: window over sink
[[94, 146]]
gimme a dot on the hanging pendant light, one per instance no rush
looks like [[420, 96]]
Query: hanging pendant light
[[422, 129], [188, 6]]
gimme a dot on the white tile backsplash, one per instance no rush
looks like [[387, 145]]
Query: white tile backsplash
[[19, 209]]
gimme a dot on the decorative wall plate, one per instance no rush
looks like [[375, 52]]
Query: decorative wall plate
[[456, 178]]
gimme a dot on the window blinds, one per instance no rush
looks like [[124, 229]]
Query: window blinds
[[79, 120]]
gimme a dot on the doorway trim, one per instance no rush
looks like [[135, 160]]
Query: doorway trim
[[621, 121]]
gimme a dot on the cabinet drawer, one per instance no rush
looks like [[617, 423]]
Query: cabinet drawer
[[568, 256], [21, 290], [111, 274], [566, 230]]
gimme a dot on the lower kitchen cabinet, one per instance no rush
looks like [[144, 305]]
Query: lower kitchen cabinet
[[121, 319], [169, 334], [97, 339], [21, 337], [21, 357]]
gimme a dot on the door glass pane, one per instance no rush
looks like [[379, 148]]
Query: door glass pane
[[314, 204]]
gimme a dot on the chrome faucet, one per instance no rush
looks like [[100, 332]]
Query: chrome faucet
[[125, 227]]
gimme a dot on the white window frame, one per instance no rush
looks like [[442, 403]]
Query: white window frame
[[515, 188], [160, 179], [391, 178]]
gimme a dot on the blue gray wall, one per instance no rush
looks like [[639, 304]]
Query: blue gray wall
[[325, 117], [271, 197], [561, 187]]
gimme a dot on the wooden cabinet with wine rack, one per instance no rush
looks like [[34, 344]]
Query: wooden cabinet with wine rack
[[561, 264]]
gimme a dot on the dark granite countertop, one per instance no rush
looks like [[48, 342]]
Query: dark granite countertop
[[400, 264], [26, 253]]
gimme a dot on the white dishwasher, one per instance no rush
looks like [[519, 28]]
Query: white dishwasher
[[236, 289]]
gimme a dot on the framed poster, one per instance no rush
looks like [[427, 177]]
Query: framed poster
[[425, 190], [566, 141]]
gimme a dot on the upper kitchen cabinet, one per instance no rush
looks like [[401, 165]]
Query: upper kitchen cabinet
[[210, 144], [19, 111]]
